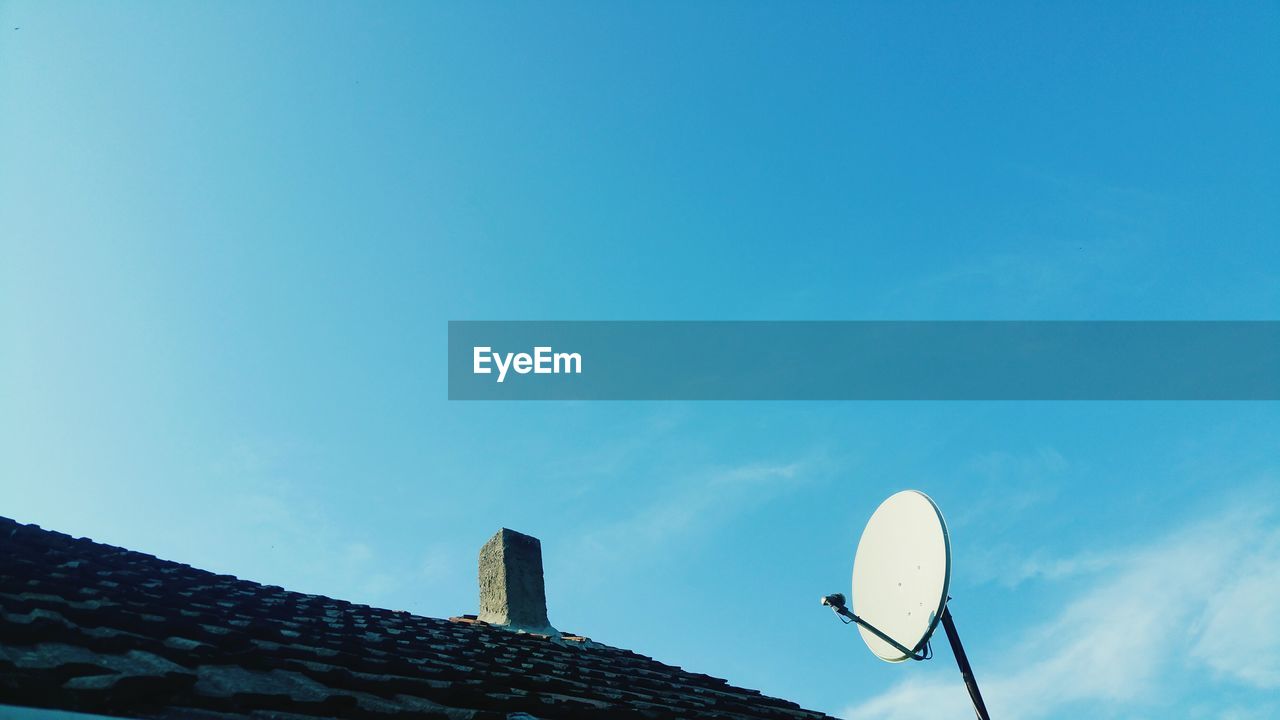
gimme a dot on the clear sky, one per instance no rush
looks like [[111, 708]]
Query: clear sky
[[231, 236]]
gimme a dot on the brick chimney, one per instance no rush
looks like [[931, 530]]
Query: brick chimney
[[511, 589]]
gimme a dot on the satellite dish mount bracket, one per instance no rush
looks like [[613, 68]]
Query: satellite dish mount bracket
[[836, 602]]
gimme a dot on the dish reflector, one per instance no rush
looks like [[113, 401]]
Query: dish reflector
[[901, 573]]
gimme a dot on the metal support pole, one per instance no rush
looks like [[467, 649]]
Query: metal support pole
[[962, 660]]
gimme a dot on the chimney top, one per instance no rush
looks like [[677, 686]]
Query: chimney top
[[512, 593]]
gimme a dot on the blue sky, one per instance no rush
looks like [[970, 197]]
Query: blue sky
[[233, 235]]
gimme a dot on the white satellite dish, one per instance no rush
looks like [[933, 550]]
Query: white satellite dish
[[901, 573], [901, 576]]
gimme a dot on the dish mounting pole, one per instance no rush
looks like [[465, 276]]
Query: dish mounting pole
[[962, 660]]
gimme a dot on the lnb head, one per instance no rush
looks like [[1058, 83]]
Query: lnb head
[[835, 600]]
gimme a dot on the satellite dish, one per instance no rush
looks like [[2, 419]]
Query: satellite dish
[[901, 574]]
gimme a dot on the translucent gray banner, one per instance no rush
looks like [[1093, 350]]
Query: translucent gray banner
[[661, 360]]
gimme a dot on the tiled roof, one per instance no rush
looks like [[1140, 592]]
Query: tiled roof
[[96, 628]]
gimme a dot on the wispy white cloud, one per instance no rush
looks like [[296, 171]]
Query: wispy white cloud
[[258, 523], [1004, 466], [619, 454], [1054, 569], [290, 541], [1004, 484], [1154, 617], [697, 503], [1086, 246], [1238, 633], [440, 563], [708, 498]]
